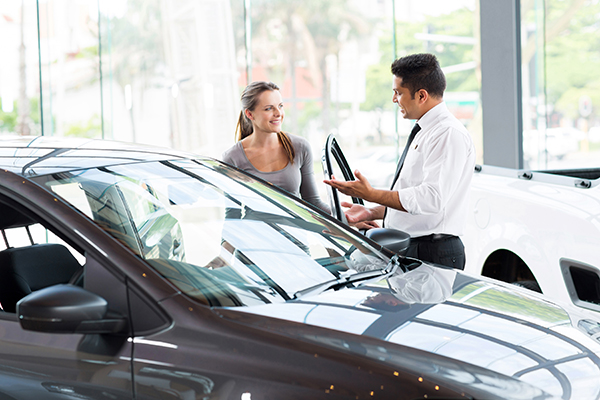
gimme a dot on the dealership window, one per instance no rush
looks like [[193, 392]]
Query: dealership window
[[561, 124], [170, 73], [19, 69], [332, 61]]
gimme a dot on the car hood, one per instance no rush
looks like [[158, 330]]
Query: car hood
[[450, 317]]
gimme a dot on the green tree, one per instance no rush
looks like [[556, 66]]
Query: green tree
[[457, 23], [379, 88], [288, 33], [92, 128], [136, 48], [573, 61], [8, 120], [571, 39]]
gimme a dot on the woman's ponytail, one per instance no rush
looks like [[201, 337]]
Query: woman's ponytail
[[286, 142], [244, 127]]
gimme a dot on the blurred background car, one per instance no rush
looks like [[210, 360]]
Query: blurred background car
[[378, 165], [551, 144]]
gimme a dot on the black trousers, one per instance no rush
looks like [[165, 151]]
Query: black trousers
[[441, 249]]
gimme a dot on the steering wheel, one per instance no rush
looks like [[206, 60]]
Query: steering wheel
[[332, 148]]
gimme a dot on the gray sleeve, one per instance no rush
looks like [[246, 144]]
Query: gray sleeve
[[308, 187], [232, 156]]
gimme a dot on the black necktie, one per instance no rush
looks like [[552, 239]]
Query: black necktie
[[411, 137]]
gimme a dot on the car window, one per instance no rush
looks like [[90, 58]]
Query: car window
[[141, 203], [33, 257], [19, 237], [219, 235], [77, 196]]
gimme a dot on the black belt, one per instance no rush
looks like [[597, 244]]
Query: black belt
[[434, 237]]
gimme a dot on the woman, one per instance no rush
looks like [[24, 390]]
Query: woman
[[264, 150]]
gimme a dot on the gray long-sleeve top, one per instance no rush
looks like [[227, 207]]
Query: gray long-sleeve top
[[297, 178]]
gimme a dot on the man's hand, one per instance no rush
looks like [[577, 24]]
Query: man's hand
[[360, 187], [366, 225], [356, 213], [359, 216]]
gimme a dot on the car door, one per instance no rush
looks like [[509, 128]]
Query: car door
[[41, 365], [334, 164]]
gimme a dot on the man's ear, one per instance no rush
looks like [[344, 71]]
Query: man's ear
[[248, 114], [422, 95]]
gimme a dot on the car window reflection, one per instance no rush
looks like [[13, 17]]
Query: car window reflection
[[219, 235]]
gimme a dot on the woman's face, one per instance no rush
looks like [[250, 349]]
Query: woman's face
[[268, 114]]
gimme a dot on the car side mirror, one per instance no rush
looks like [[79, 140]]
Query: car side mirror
[[392, 239], [67, 309]]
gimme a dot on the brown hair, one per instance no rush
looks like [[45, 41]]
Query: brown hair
[[244, 126]]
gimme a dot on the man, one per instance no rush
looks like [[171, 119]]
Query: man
[[429, 196]]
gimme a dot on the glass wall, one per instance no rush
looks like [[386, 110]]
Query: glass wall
[[170, 72], [155, 71], [19, 69], [561, 83], [332, 60], [69, 68]]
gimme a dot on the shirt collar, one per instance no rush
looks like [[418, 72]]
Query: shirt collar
[[430, 116]]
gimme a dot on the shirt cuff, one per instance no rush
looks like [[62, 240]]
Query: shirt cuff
[[408, 200]]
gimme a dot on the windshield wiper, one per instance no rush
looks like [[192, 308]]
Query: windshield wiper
[[390, 268]]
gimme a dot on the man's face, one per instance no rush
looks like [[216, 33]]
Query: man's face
[[409, 106]]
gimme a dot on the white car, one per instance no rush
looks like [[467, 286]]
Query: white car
[[537, 229]]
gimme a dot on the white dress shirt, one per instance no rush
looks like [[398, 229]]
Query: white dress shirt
[[434, 182]]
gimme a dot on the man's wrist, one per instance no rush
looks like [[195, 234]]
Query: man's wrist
[[380, 196], [388, 198], [376, 212]]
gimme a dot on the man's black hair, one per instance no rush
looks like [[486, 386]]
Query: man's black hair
[[420, 71]]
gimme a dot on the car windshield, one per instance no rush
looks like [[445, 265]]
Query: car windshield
[[217, 234]]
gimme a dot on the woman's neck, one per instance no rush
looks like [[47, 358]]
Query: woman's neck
[[262, 139]]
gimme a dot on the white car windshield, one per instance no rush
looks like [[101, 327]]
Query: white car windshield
[[219, 235]]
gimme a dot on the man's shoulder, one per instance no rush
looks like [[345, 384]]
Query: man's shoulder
[[444, 118], [451, 128], [449, 120]]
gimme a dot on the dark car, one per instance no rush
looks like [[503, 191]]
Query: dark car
[[138, 272]]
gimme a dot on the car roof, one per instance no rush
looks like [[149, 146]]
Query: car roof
[[41, 155]]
